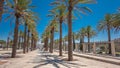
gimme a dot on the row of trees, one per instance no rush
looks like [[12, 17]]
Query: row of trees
[[21, 12], [82, 33], [63, 11], [110, 22]]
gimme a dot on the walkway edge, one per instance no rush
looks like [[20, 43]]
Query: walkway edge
[[98, 59]]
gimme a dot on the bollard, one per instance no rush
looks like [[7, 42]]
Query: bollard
[[94, 48], [113, 48], [84, 47]]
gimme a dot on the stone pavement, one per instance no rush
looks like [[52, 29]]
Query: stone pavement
[[39, 59]]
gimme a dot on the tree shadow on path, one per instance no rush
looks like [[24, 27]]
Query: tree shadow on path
[[45, 58]]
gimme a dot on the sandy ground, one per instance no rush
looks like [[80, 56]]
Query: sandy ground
[[38, 59]]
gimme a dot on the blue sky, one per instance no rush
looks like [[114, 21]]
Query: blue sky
[[42, 6]]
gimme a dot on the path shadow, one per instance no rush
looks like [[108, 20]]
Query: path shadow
[[46, 58], [7, 55]]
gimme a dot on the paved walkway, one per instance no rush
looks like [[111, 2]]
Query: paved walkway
[[38, 59]]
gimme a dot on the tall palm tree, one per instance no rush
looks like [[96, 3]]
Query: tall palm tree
[[30, 26], [65, 42], [36, 38], [56, 44], [29, 19], [20, 8], [8, 40], [74, 38], [81, 35], [106, 24], [89, 33], [31, 42], [72, 5], [25, 39], [33, 32], [53, 28], [28, 39], [70, 9], [19, 39], [45, 38], [60, 12]]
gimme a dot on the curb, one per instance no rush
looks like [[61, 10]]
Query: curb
[[98, 59]]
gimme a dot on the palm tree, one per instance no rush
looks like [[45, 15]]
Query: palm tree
[[89, 33], [60, 12], [31, 41], [36, 38], [81, 35], [65, 42], [22, 39], [70, 9], [26, 24], [28, 39], [33, 32], [74, 38], [25, 39], [19, 40], [70, 6], [30, 26], [61, 18], [20, 8], [106, 24], [8, 40], [53, 28], [30, 21], [56, 44], [45, 38]]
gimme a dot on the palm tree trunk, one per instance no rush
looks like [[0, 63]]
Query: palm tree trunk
[[88, 43], [63, 45], [35, 44], [60, 45], [15, 36], [51, 40], [109, 39], [73, 42], [70, 53], [32, 43], [28, 40], [19, 43], [81, 45], [46, 44], [25, 31], [7, 42], [22, 42]]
